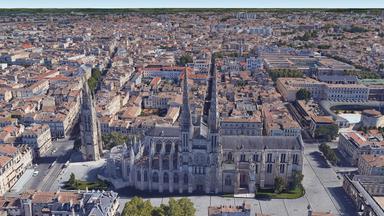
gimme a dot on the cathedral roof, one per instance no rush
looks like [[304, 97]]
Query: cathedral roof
[[164, 132], [261, 142]]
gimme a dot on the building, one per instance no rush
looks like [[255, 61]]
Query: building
[[80, 203], [288, 87], [353, 144], [373, 184], [364, 203], [38, 137], [163, 72], [320, 121], [195, 156], [371, 164], [371, 119], [13, 163], [89, 127], [241, 126]]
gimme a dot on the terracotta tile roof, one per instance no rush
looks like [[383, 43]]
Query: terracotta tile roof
[[43, 197], [4, 160], [374, 160], [8, 149]]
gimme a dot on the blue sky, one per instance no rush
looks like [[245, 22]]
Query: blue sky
[[191, 3]]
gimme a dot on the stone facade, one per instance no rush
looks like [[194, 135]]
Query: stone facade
[[198, 158]]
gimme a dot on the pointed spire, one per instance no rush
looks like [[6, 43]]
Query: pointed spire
[[213, 118], [185, 111]]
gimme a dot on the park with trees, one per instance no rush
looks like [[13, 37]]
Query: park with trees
[[175, 207]]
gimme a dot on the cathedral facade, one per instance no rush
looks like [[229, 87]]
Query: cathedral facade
[[196, 158]]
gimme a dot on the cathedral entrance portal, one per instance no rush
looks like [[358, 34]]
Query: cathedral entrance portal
[[243, 180], [199, 189]]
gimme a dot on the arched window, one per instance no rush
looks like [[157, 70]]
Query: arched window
[[175, 178], [185, 178], [229, 157], [155, 177], [138, 176], [165, 178], [228, 181], [145, 176]]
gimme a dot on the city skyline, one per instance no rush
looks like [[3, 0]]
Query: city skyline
[[194, 4]]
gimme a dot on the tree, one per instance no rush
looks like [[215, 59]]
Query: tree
[[186, 207], [297, 178], [72, 179], [137, 207], [280, 184], [328, 153], [114, 139], [185, 59], [174, 208], [328, 132], [303, 94], [159, 211]]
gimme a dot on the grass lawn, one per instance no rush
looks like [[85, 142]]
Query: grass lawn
[[270, 194], [82, 185]]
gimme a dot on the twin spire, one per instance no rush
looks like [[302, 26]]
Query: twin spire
[[186, 121]]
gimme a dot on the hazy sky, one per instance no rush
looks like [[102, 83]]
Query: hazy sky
[[191, 3]]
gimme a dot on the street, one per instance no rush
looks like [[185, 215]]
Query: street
[[50, 166]]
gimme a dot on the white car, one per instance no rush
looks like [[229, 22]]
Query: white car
[[35, 173]]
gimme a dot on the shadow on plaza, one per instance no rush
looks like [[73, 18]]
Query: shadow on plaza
[[341, 197], [319, 159]]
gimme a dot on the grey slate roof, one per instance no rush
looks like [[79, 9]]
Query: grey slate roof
[[164, 132], [327, 78], [261, 142]]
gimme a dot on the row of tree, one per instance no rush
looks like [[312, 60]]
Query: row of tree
[[274, 74], [94, 79], [138, 207], [328, 153]]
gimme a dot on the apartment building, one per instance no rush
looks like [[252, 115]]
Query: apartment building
[[13, 163], [80, 203], [371, 164], [241, 126], [288, 87], [38, 137], [354, 144]]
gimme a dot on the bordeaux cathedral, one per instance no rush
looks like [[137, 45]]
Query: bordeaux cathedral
[[195, 158]]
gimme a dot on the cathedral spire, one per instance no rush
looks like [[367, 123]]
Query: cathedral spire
[[186, 121], [213, 114]]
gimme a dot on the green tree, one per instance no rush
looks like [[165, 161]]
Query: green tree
[[159, 211], [137, 207], [328, 132], [114, 139], [303, 94], [297, 178], [184, 59], [280, 184], [72, 179], [174, 208], [328, 153], [186, 207]]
